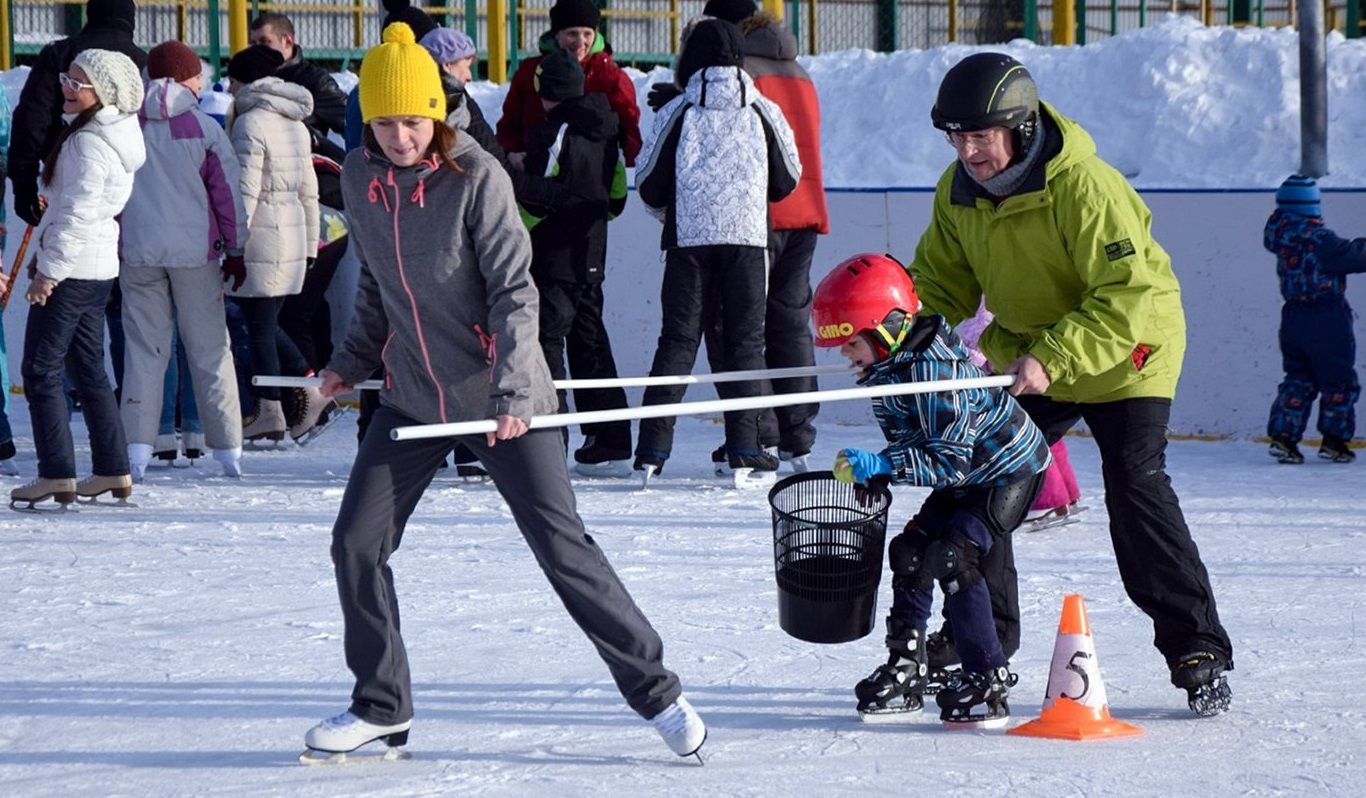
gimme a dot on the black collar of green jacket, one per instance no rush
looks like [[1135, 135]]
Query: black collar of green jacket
[[966, 191]]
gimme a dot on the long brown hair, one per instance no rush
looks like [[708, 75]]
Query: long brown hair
[[443, 142], [81, 120]]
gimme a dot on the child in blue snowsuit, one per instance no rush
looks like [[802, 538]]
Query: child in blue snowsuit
[[976, 448], [1318, 347]]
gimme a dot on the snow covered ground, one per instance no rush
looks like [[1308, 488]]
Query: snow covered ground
[[183, 647]]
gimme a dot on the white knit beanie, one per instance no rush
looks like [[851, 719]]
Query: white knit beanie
[[117, 80]]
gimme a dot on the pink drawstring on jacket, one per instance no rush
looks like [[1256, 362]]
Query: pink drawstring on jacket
[[377, 193], [490, 345]]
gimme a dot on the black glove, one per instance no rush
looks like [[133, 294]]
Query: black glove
[[660, 95], [26, 203], [234, 269]]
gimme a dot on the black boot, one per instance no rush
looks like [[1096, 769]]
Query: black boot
[[896, 688], [1285, 451], [1201, 675], [1336, 450], [977, 699]]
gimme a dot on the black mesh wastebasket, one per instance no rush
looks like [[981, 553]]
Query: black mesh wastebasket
[[827, 549]]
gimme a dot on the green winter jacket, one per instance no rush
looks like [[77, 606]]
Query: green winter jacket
[[1068, 266]]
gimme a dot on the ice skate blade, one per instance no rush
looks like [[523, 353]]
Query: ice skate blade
[[312, 433], [644, 475], [612, 469], [32, 507], [749, 479], [96, 501], [969, 724], [890, 716], [313, 756]]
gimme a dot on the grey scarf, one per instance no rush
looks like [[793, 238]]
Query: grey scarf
[[1013, 176]]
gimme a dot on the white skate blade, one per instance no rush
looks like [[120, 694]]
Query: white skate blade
[[749, 479], [334, 415], [608, 468], [969, 724], [644, 475], [315, 757], [891, 717], [1052, 519]]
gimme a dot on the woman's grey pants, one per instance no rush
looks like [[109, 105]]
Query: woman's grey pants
[[387, 480]]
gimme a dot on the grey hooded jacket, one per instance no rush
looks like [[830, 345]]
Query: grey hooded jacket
[[445, 299]]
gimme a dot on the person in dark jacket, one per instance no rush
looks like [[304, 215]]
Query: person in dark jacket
[[974, 447], [1317, 344], [717, 155], [576, 146], [274, 30], [38, 117]]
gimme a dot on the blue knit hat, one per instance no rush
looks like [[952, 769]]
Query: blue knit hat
[[1300, 195]]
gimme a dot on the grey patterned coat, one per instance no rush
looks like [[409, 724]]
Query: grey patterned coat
[[718, 154]]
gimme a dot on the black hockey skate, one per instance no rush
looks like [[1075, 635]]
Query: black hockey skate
[[896, 690], [943, 662], [977, 700], [1285, 451], [1201, 675], [1336, 450]]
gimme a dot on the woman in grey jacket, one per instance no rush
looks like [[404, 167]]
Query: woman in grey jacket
[[446, 303]]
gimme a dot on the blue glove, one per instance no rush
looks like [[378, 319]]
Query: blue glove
[[861, 465]]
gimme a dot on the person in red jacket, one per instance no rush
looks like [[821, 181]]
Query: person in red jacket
[[573, 27]]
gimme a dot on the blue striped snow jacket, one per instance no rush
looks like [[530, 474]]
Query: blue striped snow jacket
[[952, 438]]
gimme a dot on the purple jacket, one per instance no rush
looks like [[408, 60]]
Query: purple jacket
[[185, 210]]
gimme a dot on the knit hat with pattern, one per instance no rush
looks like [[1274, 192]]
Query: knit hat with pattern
[[559, 76], [1299, 194], [117, 80], [399, 78]]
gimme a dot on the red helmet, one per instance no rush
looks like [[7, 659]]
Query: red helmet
[[866, 292]]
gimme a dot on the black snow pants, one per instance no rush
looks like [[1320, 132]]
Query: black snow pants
[[730, 279], [1158, 560], [787, 339], [572, 325]]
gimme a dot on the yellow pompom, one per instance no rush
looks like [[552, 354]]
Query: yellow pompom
[[399, 33]]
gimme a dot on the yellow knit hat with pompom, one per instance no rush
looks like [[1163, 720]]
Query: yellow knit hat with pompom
[[399, 78]]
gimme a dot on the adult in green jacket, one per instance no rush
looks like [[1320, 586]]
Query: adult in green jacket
[[1088, 319]]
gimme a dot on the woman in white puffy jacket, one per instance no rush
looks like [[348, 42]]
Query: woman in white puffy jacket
[[280, 193], [87, 178]]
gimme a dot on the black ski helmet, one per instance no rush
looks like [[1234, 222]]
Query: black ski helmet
[[988, 90]]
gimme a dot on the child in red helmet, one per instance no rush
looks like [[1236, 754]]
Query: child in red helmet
[[977, 450]]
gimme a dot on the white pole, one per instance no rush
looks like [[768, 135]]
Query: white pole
[[614, 382], [713, 406]]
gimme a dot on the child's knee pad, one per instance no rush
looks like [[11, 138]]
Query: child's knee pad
[[906, 556], [955, 561]]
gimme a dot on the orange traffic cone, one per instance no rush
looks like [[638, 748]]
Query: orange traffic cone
[[1075, 707]]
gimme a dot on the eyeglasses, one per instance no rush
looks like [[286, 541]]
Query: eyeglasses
[[73, 84], [978, 138]]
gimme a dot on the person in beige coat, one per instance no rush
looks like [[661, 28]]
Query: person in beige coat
[[280, 195]]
